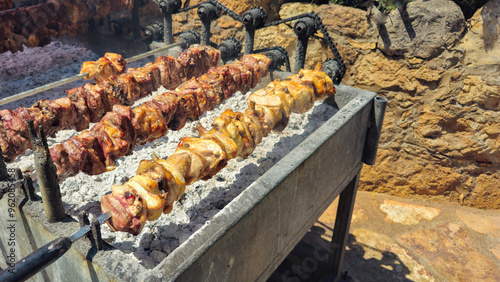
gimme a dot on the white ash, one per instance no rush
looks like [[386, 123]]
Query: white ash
[[202, 200], [38, 66]]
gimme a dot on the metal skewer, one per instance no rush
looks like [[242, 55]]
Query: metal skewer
[[42, 88], [152, 52], [49, 86], [46, 255]]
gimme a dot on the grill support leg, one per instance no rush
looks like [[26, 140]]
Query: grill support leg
[[252, 20], [30, 190], [341, 229]]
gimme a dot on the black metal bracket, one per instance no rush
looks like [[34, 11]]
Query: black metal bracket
[[229, 48], [28, 187], [207, 12], [154, 32], [94, 235], [83, 219], [252, 19], [278, 55], [303, 28], [3, 167], [331, 68], [167, 7], [47, 175], [188, 38]]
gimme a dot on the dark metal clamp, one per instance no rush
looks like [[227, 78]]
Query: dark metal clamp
[[252, 19], [303, 28], [229, 48], [207, 12]]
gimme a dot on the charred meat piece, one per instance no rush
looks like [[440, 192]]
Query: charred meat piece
[[14, 136], [102, 69], [148, 122]]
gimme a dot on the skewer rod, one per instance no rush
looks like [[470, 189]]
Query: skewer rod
[[168, 38], [41, 88], [76, 77], [152, 52]]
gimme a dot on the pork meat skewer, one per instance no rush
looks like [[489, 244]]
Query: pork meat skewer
[[96, 151], [90, 103]]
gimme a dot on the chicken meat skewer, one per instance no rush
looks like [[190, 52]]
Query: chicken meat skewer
[[159, 183], [96, 151], [90, 103]]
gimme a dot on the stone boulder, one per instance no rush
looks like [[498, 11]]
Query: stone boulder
[[423, 29], [441, 134], [482, 42]]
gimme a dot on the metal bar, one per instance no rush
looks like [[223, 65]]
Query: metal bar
[[135, 20], [36, 261], [47, 176], [3, 167], [341, 229], [49, 253], [28, 184], [374, 130], [19, 177], [85, 229], [205, 32], [300, 54], [95, 226], [249, 40], [152, 52], [83, 219], [42, 88], [167, 28], [76, 77]]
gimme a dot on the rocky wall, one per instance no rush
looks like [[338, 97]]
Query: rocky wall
[[440, 72], [441, 134]]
